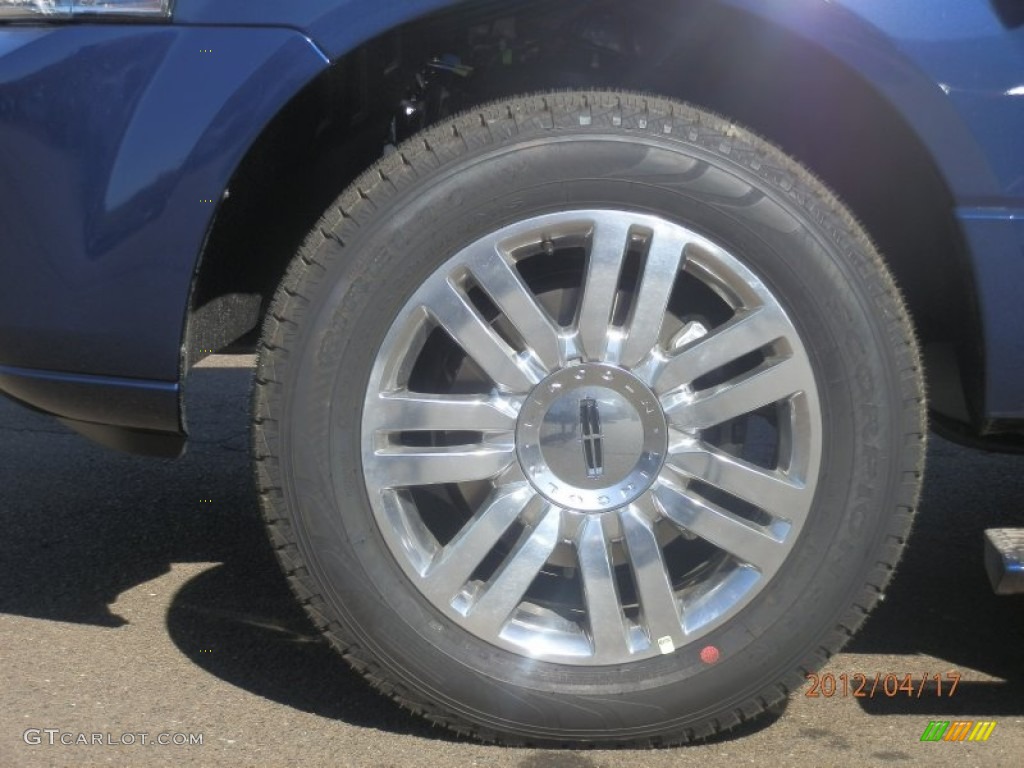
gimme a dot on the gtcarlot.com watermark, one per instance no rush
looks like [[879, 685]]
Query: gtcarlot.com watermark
[[56, 737]]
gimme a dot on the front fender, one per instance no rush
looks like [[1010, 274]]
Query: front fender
[[116, 144], [337, 26]]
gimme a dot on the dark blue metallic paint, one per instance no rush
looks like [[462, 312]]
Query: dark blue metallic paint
[[908, 50], [336, 25], [932, 60], [112, 137], [951, 68], [997, 239], [955, 72]]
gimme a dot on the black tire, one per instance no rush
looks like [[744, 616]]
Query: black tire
[[525, 158]]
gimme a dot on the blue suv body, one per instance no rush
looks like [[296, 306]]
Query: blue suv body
[[162, 162], [119, 144]]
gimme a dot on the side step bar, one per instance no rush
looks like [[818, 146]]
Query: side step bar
[[1004, 560]]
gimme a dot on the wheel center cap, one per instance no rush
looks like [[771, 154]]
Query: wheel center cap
[[591, 437]]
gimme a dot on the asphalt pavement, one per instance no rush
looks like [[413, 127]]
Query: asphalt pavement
[[142, 613]]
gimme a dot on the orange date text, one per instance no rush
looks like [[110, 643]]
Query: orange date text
[[881, 684]]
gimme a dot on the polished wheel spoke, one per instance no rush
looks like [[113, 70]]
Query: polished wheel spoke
[[604, 611], [402, 466], [745, 541], [602, 504], [453, 566], [505, 592], [738, 337], [763, 386], [407, 411], [770, 490], [661, 267], [480, 341], [658, 603], [508, 291], [604, 262]]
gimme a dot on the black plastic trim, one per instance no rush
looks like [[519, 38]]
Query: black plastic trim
[[130, 414]]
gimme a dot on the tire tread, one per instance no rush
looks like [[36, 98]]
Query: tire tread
[[493, 125]]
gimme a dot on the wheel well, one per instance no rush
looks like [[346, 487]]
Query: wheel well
[[762, 76]]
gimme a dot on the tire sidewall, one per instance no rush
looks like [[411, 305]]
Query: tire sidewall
[[794, 243]]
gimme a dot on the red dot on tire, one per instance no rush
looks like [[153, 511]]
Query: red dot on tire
[[709, 654]]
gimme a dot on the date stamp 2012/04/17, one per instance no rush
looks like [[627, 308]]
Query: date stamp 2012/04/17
[[881, 684]]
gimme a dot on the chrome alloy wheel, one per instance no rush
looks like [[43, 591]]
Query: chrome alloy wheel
[[591, 437]]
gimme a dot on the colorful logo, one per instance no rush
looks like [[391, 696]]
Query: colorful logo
[[958, 730]]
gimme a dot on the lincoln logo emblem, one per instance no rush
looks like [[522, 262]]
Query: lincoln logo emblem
[[590, 433]]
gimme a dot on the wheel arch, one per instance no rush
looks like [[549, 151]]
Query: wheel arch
[[834, 92], [806, 85]]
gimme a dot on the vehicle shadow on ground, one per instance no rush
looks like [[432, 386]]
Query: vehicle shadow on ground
[[82, 525], [240, 622], [940, 602]]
